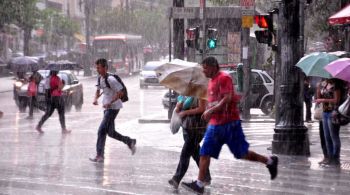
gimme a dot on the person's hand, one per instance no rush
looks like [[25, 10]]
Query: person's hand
[[318, 101], [182, 114], [206, 115], [95, 102], [106, 106]]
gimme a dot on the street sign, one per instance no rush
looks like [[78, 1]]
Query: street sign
[[247, 21], [247, 7], [185, 12]]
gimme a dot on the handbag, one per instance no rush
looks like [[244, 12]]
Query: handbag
[[344, 108], [194, 122], [318, 112], [339, 119]]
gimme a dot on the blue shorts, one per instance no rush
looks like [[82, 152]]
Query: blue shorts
[[231, 134]]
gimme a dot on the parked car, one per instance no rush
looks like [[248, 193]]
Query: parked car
[[165, 99], [261, 94], [148, 76], [72, 91]]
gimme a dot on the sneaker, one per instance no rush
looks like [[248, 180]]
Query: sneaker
[[174, 183], [97, 159], [273, 167], [66, 131], [132, 146], [324, 161], [39, 129], [192, 186], [335, 162]]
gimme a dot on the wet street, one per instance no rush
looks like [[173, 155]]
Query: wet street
[[53, 163]]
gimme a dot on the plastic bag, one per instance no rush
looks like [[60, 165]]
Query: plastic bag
[[344, 108], [318, 112], [175, 122]]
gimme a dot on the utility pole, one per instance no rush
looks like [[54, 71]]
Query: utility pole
[[202, 16], [246, 73], [87, 63], [179, 45], [290, 137]]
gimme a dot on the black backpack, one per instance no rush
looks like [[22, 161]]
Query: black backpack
[[125, 97]]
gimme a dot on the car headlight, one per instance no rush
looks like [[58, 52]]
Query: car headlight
[[18, 84]]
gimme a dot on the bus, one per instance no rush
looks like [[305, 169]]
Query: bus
[[124, 52]]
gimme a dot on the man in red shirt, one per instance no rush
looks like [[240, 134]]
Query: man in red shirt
[[56, 102], [224, 126]]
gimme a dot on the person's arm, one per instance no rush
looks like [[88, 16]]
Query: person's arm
[[334, 100], [97, 95], [198, 110], [218, 107]]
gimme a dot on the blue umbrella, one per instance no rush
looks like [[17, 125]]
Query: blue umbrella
[[313, 64]]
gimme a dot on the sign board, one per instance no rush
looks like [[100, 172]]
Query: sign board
[[234, 47], [248, 7], [247, 21], [185, 12]]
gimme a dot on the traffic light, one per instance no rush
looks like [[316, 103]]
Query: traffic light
[[192, 37], [266, 22], [263, 36], [212, 38]]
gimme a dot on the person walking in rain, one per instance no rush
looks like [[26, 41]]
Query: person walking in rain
[[224, 126], [112, 104], [193, 131], [57, 102], [34, 81]]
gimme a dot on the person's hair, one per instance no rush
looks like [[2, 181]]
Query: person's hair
[[103, 62], [210, 61], [53, 72]]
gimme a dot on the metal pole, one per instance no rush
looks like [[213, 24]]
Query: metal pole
[[87, 70], [204, 28]]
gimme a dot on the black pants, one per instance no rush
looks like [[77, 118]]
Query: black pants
[[56, 102], [190, 148], [323, 141], [308, 105], [32, 103], [107, 127]]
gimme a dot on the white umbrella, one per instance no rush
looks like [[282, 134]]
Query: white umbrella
[[186, 78]]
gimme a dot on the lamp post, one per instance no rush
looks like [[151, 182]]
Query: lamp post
[[290, 135]]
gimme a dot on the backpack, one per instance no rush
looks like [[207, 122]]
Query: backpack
[[125, 97]]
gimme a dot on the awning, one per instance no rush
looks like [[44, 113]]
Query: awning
[[80, 37], [340, 18]]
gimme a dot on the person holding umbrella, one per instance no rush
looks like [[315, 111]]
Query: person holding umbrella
[[193, 131], [224, 126], [331, 96], [57, 102]]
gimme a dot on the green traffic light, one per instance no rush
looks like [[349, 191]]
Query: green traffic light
[[211, 43]]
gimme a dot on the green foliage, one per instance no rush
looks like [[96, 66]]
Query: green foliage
[[152, 25]]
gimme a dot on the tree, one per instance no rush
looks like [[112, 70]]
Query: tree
[[26, 15]]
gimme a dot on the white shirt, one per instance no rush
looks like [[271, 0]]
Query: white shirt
[[109, 93]]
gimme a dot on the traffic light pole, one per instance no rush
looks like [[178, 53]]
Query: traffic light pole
[[246, 70], [290, 137], [204, 28]]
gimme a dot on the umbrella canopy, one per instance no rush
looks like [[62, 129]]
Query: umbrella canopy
[[314, 63], [63, 65], [339, 69], [24, 64], [340, 18], [186, 78]]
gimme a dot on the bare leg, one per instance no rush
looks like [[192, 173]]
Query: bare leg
[[252, 156], [204, 163]]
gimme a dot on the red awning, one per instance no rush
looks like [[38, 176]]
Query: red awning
[[341, 17]]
